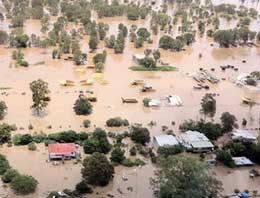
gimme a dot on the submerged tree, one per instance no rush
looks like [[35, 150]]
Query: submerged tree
[[208, 105], [40, 91], [184, 177], [3, 109], [97, 170]]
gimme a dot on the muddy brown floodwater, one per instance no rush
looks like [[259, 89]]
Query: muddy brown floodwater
[[60, 115]]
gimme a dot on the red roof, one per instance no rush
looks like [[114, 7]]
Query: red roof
[[61, 148]]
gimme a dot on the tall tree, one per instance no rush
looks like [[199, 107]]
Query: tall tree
[[208, 105], [3, 109], [39, 90], [97, 170], [184, 177]]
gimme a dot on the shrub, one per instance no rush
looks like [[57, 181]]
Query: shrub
[[4, 164], [5, 133], [130, 163], [86, 123], [165, 151], [98, 142], [23, 184], [117, 122], [32, 146], [9, 175], [140, 134], [82, 107], [22, 139], [225, 157], [3, 109], [117, 155], [133, 151], [83, 188]]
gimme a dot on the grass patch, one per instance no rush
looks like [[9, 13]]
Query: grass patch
[[5, 88], [159, 68], [39, 63]]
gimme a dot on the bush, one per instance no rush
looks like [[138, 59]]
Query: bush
[[3, 109], [82, 136], [98, 142], [19, 139], [117, 122], [117, 155], [9, 175], [133, 151], [86, 123], [82, 107], [83, 188], [32, 146], [4, 164], [225, 157], [165, 151], [146, 102], [130, 163], [139, 134], [23, 184], [5, 133]]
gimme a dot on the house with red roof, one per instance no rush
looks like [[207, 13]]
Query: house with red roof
[[62, 151]]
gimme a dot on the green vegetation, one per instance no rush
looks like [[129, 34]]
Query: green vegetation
[[82, 107], [139, 134], [5, 133], [177, 181], [97, 142], [40, 91], [9, 175], [4, 164], [3, 109], [166, 151], [117, 122], [228, 122], [23, 184], [225, 157], [210, 130], [97, 170], [130, 163], [158, 68], [117, 155], [208, 105]]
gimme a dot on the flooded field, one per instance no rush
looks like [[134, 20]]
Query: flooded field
[[60, 114]]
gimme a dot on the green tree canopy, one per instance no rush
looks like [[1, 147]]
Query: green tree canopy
[[184, 177], [97, 170]]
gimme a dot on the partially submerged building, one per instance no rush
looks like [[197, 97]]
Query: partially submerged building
[[243, 135], [242, 161], [165, 140], [60, 151], [196, 142]]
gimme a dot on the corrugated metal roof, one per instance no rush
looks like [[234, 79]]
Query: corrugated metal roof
[[163, 140], [61, 148], [195, 139]]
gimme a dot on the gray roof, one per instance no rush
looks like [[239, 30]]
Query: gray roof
[[195, 139], [166, 140], [242, 161]]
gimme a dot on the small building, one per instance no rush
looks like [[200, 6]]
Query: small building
[[196, 142], [165, 140], [60, 151], [242, 161], [243, 135], [138, 57]]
